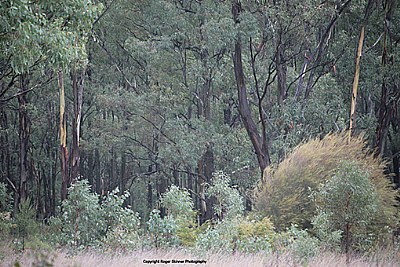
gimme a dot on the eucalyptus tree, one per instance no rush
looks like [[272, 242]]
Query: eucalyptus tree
[[37, 38]]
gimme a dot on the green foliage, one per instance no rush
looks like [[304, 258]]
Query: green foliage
[[256, 228], [255, 235], [30, 35], [330, 239], [5, 212], [81, 221], [178, 203], [179, 206], [348, 202], [25, 221], [162, 231], [218, 238], [6, 198], [121, 223], [84, 222], [229, 202], [284, 192], [299, 242]]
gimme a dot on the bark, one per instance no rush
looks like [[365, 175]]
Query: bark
[[39, 207], [53, 183], [77, 88], [260, 144], [281, 70], [149, 195], [97, 171], [355, 82], [206, 162], [124, 175], [65, 182], [23, 133]]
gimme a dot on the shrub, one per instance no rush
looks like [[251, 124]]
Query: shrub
[[179, 205], [232, 232], [284, 191], [297, 242], [80, 223], [229, 202], [5, 199], [25, 220], [220, 237], [85, 222], [162, 231], [255, 234], [121, 223], [5, 212], [348, 201]]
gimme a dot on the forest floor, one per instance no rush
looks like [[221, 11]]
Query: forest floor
[[180, 258]]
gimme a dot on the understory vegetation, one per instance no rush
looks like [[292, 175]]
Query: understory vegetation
[[339, 205]]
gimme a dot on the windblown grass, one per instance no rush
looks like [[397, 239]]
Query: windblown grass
[[137, 258]]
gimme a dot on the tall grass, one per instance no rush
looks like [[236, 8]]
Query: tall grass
[[139, 258]]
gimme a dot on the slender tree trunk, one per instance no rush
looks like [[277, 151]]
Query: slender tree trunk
[[260, 146], [97, 170], [208, 170], [40, 212], [281, 70], [53, 182], [384, 112], [90, 168], [355, 82], [65, 182], [123, 175], [24, 131], [77, 87]]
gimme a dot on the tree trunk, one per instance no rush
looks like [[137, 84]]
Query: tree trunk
[[97, 170], [384, 112], [208, 170], [355, 82], [124, 175], [24, 131], [77, 87], [260, 146], [281, 70], [63, 139]]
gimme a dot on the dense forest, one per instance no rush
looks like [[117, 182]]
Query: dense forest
[[238, 125]]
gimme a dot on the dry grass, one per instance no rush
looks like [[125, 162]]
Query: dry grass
[[137, 258]]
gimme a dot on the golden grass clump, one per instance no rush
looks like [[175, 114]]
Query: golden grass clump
[[283, 193]]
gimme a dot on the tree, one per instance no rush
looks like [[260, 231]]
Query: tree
[[350, 201]]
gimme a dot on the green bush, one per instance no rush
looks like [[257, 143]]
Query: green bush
[[348, 202], [297, 242], [220, 237], [284, 191], [25, 221], [5, 212], [229, 202], [179, 206], [162, 231], [80, 222], [232, 232], [85, 222], [255, 235], [122, 223]]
